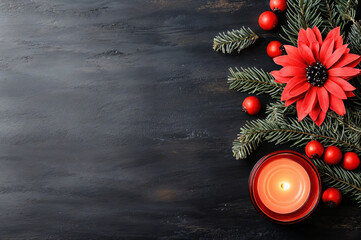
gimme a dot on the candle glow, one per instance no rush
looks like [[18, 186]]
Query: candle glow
[[285, 186]]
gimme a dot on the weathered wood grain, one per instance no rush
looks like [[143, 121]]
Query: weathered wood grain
[[116, 122]]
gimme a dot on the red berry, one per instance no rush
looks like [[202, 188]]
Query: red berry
[[267, 20], [278, 5], [332, 197], [350, 161], [251, 105], [314, 149], [333, 155], [274, 49]]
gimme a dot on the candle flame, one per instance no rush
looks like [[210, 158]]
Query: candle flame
[[285, 186]]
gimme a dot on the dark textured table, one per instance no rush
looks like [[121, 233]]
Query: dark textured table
[[116, 122]]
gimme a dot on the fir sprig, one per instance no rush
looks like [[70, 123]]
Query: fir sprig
[[254, 81], [301, 14], [332, 14], [289, 130], [354, 37], [347, 8], [277, 111], [348, 182], [235, 40]]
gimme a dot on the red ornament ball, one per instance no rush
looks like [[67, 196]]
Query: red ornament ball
[[314, 149], [274, 49], [333, 155], [251, 105], [332, 197], [350, 161], [267, 20], [278, 5]]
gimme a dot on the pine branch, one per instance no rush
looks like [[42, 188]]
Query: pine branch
[[235, 40], [277, 111], [288, 129], [254, 81], [347, 8], [354, 37], [352, 120], [301, 14], [332, 15], [348, 182]]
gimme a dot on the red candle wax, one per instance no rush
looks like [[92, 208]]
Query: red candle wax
[[285, 186]]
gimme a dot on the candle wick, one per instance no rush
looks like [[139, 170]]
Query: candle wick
[[285, 186]]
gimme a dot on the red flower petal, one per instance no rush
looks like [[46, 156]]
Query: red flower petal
[[306, 54], [300, 113], [323, 98], [350, 94], [302, 37], [348, 59], [294, 88], [344, 72], [338, 42], [337, 105], [310, 99], [279, 78], [291, 50], [335, 89], [285, 60], [291, 71], [295, 80], [333, 33], [326, 49], [310, 36], [335, 56], [353, 64], [318, 34], [290, 101], [299, 89], [315, 48], [293, 53], [314, 112], [346, 86], [321, 118]]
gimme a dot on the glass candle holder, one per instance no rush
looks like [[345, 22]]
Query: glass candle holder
[[285, 187]]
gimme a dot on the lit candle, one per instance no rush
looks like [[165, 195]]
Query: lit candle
[[285, 186]]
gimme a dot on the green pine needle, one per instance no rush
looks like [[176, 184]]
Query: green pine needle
[[254, 81], [354, 38], [235, 40], [347, 8]]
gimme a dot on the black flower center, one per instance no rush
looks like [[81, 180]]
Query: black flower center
[[316, 74]]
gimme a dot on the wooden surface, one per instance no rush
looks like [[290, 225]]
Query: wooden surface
[[116, 122]]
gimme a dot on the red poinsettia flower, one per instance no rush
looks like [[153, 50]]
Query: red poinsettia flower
[[316, 74]]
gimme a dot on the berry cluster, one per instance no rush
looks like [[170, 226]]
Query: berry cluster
[[316, 74]]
